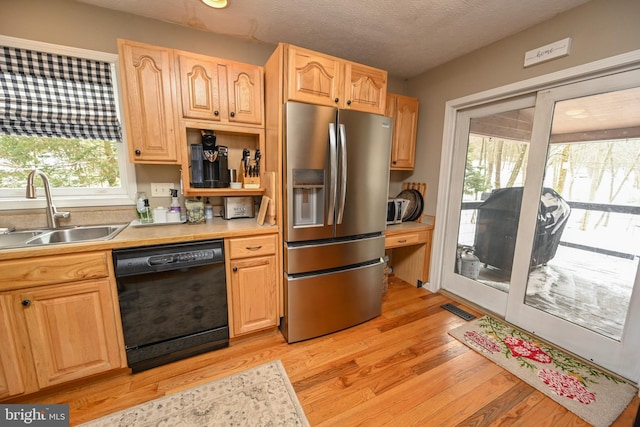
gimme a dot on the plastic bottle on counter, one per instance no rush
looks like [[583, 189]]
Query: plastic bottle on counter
[[208, 211], [143, 209], [175, 204], [147, 217]]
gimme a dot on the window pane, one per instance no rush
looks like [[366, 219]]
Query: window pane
[[497, 154], [69, 163], [590, 280]]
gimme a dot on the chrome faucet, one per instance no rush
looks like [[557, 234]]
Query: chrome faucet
[[52, 212]]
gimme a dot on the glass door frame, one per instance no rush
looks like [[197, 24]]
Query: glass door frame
[[441, 259], [604, 351], [486, 296]]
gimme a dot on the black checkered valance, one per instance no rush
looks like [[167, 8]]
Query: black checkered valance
[[52, 95]]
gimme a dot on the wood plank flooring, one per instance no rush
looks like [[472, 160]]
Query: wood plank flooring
[[400, 369]]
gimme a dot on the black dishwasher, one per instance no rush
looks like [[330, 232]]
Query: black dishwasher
[[173, 301]]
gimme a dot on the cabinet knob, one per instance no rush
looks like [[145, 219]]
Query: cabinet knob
[[138, 152], [216, 113], [232, 114], [336, 100], [349, 102], [235, 269], [394, 162], [26, 302]]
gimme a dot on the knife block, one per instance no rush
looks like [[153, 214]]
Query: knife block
[[246, 180]]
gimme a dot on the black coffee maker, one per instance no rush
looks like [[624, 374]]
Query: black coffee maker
[[215, 164]]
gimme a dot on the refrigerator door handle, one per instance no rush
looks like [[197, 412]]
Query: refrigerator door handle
[[333, 173], [343, 173]]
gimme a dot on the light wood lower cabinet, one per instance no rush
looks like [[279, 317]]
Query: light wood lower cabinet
[[11, 379], [251, 284], [63, 327], [409, 248]]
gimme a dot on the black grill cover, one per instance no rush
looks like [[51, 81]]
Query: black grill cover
[[497, 226]]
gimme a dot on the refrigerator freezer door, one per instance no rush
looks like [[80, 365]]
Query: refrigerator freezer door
[[320, 304], [303, 258], [310, 171], [364, 179]]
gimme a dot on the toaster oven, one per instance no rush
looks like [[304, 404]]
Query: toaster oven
[[395, 210]]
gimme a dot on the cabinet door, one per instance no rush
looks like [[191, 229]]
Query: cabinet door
[[253, 294], [405, 128], [245, 93], [72, 329], [198, 77], [148, 94], [365, 88], [11, 381], [313, 77]]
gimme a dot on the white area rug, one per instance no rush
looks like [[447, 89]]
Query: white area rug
[[261, 396], [595, 396]]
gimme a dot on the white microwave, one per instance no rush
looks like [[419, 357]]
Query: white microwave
[[396, 209]]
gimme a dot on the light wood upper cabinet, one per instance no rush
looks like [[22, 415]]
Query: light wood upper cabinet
[[252, 286], [218, 90], [148, 89], [162, 85], [404, 111], [245, 93], [199, 88], [365, 88], [313, 77], [60, 321], [321, 79]]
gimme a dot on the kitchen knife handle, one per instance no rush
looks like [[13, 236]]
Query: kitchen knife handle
[[333, 173], [343, 172]]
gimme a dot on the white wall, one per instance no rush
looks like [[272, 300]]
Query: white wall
[[599, 29]]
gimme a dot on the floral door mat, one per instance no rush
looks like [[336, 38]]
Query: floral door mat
[[595, 396]]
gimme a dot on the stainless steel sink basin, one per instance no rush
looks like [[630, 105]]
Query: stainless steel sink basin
[[18, 238], [78, 234]]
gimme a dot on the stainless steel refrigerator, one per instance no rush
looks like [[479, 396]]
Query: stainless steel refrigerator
[[336, 179]]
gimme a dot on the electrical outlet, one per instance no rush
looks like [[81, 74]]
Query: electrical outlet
[[161, 189]]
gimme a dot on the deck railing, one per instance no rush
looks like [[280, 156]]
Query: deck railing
[[594, 207]]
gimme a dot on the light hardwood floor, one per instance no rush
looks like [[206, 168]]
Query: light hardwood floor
[[400, 369]]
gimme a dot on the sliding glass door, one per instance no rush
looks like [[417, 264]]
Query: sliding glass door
[[543, 216], [492, 150], [577, 250]]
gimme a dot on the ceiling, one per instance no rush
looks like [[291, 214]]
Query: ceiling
[[404, 37]]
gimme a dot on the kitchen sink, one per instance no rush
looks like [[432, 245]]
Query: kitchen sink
[[18, 238], [77, 234], [65, 235]]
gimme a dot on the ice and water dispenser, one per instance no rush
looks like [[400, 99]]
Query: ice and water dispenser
[[308, 197]]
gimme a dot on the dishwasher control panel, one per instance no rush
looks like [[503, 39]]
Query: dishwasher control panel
[[145, 259]]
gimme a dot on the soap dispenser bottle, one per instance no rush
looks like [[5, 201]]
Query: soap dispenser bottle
[[175, 204]]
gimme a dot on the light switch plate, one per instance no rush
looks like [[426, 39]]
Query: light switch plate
[[161, 189]]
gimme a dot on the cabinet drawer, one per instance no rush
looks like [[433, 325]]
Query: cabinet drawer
[[53, 269], [405, 239], [252, 246]]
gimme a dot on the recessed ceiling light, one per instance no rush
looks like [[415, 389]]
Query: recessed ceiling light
[[218, 4]]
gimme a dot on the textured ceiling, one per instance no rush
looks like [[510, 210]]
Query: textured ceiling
[[404, 37]]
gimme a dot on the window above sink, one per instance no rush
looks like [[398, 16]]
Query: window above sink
[[85, 169]]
